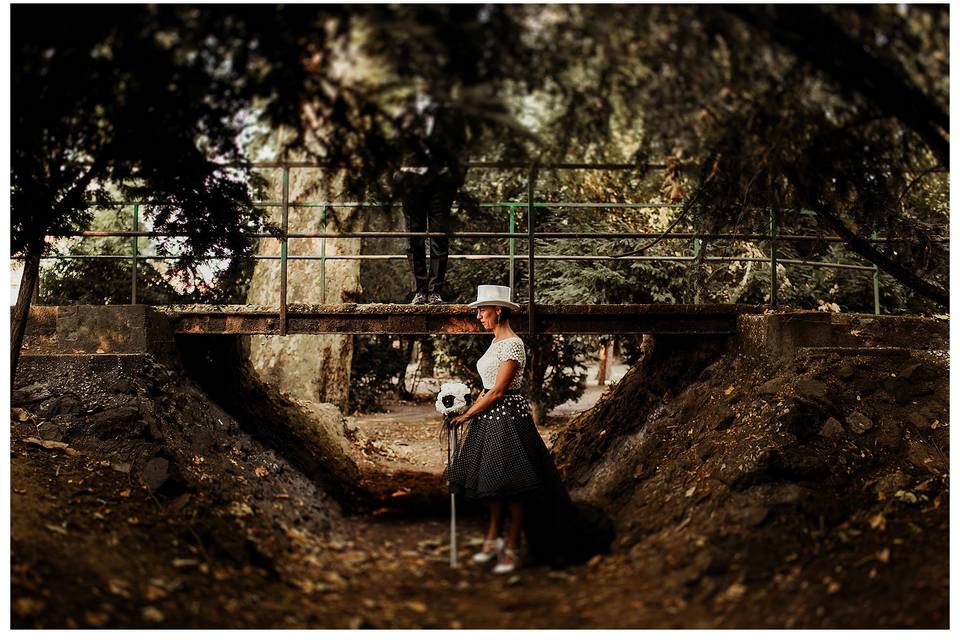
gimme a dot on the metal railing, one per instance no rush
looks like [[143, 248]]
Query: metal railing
[[774, 237]]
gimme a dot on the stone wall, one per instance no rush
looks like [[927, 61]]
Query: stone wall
[[780, 336], [100, 329]]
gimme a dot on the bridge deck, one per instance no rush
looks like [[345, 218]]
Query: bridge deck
[[408, 319]]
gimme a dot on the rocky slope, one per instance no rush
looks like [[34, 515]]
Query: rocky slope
[[807, 492], [158, 496]]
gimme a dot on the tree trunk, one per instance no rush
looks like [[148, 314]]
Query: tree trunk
[[602, 369], [314, 368], [536, 370], [428, 363], [406, 345], [21, 312]]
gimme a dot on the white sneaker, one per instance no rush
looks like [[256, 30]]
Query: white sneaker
[[508, 561], [489, 551]]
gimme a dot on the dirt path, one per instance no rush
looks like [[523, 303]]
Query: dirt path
[[402, 579], [93, 549], [406, 435]]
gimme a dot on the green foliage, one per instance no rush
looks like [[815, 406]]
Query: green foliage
[[377, 366], [748, 103], [109, 281], [153, 93], [103, 282], [96, 281], [558, 373], [130, 100], [609, 281]]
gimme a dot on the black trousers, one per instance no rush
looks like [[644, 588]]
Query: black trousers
[[428, 209]]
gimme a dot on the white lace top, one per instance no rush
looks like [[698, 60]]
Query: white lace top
[[506, 349]]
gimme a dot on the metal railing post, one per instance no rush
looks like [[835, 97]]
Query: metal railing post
[[773, 259], [696, 258], [531, 224], [285, 211], [135, 247], [698, 263], [512, 244], [323, 257], [876, 280]]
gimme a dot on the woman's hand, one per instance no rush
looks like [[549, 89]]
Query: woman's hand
[[459, 420], [463, 417]]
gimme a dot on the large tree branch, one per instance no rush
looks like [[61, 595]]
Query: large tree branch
[[902, 275], [31, 266], [813, 36]]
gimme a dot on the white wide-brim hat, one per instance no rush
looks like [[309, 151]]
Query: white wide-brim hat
[[493, 296]]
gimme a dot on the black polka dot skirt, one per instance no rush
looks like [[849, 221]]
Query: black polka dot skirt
[[493, 461], [503, 457]]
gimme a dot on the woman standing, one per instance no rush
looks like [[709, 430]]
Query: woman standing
[[503, 460]]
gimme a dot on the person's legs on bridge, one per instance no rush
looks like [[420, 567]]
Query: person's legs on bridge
[[416, 205], [441, 201]]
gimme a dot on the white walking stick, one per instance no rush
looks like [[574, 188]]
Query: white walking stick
[[453, 498], [453, 398]]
